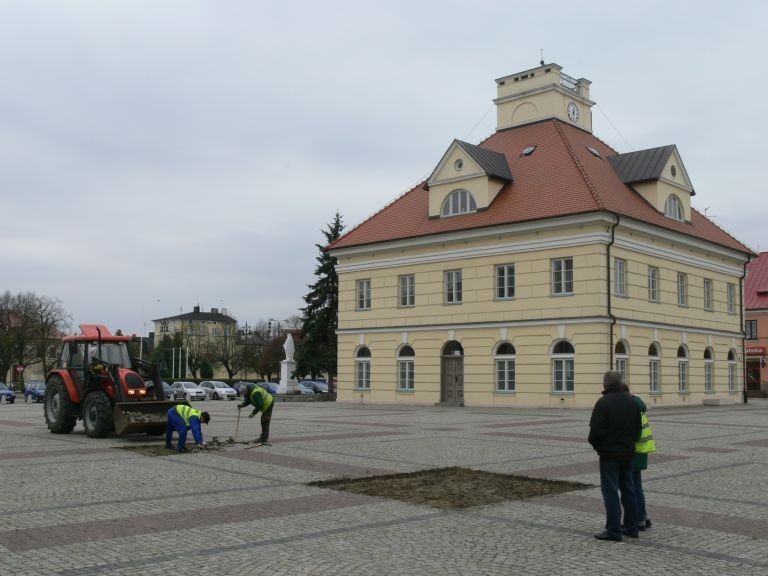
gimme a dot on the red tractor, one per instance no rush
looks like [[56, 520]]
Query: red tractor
[[98, 381]]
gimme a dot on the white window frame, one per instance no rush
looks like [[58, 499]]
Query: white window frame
[[654, 294], [709, 376], [731, 298], [731, 371], [709, 295], [562, 276], [363, 294], [406, 374], [682, 373], [505, 371], [505, 281], [458, 202], [620, 277], [673, 208], [562, 366], [750, 329], [453, 287], [654, 371], [407, 287], [682, 289], [363, 372]]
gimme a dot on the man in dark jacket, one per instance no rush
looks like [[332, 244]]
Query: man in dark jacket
[[613, 430]]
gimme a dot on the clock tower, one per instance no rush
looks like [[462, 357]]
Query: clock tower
[[541, 93]]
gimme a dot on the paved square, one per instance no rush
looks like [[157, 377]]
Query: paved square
[[78, 506]]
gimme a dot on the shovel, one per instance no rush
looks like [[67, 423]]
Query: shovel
[[237, 426]]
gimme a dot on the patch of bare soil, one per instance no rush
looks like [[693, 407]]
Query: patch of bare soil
[[452, 488], [160, 449]]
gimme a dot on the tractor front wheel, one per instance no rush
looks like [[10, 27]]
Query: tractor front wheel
[[97, 415], [60, 411]]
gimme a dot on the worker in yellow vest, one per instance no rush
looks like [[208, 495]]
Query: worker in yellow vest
[[644, 446], [182, 418], [263, 402]]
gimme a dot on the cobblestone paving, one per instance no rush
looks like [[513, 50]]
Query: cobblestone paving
[[78, 506]]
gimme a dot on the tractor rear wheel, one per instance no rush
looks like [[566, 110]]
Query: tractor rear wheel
[[97, 415], [60, 411]]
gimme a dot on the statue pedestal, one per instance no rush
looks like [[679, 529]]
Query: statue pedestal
[[287, 384]]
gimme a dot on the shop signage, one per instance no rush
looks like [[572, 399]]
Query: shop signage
[[756, 350]]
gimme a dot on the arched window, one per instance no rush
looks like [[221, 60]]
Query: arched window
[[458, 202], [363, 369], [682, 370], [673, 208], [405, 369], [709, 370], [505, 367], [563, 355], [732, 370], [621, 352], [654, 375], [453, 348]]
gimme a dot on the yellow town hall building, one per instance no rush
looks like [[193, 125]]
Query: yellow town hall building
[[527, 265]]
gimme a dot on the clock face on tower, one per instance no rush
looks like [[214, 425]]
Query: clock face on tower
[[573, 112]]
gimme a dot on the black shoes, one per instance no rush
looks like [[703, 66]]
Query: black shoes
[[181, 450], [648, 523], [606, 536], [630, 534], [169, 447]]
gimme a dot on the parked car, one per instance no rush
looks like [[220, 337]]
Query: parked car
[[188, 391], [7, 393], [218, 390], [270, 387], [318, 386], [240, 387], [304, 389], [34, 390], [168, 391]]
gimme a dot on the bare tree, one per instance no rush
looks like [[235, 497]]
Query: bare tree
[[228, 351], [51, 319]]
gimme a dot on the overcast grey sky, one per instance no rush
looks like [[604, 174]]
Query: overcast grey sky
[[160, 154]]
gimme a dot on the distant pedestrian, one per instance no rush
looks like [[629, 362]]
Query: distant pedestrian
[[613, 430], [182, 418], [643, 447], [262, 401]]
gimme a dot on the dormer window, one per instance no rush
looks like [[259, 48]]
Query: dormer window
[[674, 208], [458, 202]]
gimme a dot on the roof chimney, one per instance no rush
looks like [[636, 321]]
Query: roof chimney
[[197, 310]]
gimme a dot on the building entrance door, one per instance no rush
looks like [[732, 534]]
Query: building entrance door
[[452, 375]]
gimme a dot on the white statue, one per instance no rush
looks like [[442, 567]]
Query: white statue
[[288, 347]]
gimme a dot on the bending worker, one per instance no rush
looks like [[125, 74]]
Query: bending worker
[[182, 418], [263, 402]]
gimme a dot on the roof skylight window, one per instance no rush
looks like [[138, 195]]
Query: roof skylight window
[[528, 151], [594, 152]]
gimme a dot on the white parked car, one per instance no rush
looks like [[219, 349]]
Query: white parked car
[[188, 391], [217, 390]]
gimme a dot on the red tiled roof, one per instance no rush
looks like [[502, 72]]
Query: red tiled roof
[[756, 284], [560, 178]]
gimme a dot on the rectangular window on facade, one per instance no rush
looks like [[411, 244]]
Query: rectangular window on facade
[[682, 289], [453, 287], [654, 294], [563, 374], [653, 367], [731, 377], [621, 368], [620, 277], [505, 375], [682, 376], [363, 376], [731, 298], [405, 378], [364, 294], [750, 327], [408, 290], [709, 297], [505, 281], [562, 276], [709, 377]]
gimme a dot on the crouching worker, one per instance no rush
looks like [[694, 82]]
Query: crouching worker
[[263, 402], [182, 418]]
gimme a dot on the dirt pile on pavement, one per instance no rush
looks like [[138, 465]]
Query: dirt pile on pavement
[[452, 488]]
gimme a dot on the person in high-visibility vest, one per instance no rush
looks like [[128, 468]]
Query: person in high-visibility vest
[[644, 446], [182, 418], [263, 402]]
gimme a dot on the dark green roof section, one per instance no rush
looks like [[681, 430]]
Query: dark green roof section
[[643, 165], [494, 164]]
